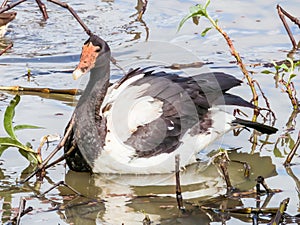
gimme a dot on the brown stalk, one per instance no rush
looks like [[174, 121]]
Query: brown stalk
[[178, 186], [71, 10], [277, 219], [43, 9], [243, 68], [7, 48], [62, 142], [282, 13], [41, 90], [291, 91], [3, 3], [10, 6], [292, 152]]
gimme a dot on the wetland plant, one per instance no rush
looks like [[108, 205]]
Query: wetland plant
[[11, 140], [284, 74], [198, 11]]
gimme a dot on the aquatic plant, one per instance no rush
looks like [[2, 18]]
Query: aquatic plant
[[12, 140], [284, 74], [198, 11]]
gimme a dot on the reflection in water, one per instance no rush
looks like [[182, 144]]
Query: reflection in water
[[127, 197]]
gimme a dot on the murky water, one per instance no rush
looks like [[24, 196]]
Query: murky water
[[51, 50]]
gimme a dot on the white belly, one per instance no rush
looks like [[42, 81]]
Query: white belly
[[119, 158]]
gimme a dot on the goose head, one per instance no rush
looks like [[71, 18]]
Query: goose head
[[95, 54]]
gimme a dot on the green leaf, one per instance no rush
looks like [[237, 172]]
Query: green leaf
[[205, 31], [9, 115], [291, 64], [267, 72], [284, 67], [26, 126], [26, 151], [10, 142], [195, 11], [292, 76], [2, 149], [277, 153], [206, 4], [30, 156]]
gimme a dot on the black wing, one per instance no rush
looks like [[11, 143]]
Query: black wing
[[186, 101]]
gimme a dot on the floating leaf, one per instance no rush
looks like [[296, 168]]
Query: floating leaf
[[9, 115], [267, 72], [26, 126]]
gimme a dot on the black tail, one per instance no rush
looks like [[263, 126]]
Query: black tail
[[257, 126]]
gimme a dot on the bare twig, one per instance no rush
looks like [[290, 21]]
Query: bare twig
[[282, 13], [141, 9], [178, 186], [42, 90], [278, 217], [3, 3], [244, 70], [292, 152], [266, 100], [261, 181], [22, 211], [247, 167], [43, 9], [5, 50], [60, 158], [71, 10], [59, 184], [291, 91], [43, 165], [10, 6], [22, 205], [221, 161]]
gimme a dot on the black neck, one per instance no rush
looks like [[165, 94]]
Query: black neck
[[87, 113]]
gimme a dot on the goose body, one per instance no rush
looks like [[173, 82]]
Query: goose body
[[138, 124]]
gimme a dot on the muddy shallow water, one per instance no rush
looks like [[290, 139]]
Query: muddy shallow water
[[51, 50]]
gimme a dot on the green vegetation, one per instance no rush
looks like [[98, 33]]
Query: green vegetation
[[284, 73], [12, 140], [198, 11]]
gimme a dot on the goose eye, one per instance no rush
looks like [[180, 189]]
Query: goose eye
[[98, 49]]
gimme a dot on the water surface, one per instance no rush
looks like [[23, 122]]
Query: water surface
[[50, 49]]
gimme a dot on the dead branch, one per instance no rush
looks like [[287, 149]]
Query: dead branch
[[59, 184], [62, 142], [43, 9], [5, 50], [10, 6], [71, 10], [292, 152], [282, 13], [22, 211], [3, 3], [178, 186], [278, 217], [42, 90], [261, 181]]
